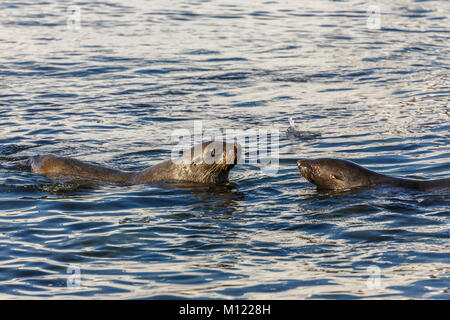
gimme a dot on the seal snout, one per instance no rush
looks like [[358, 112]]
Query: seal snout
[[305, 168], [304, 165], [231, 154]]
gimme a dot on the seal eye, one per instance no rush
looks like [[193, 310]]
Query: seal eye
[[213, 152], [337, 177]]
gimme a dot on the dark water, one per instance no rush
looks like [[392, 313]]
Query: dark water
[[113, 90]]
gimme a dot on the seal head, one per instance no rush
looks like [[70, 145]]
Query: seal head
[[335, 174], [338, 174], [209, 162]]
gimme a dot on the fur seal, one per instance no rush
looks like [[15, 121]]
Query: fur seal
[[209, 162], [338, 174]]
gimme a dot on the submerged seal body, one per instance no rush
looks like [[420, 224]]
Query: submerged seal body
[[209, 162], [338, 174]]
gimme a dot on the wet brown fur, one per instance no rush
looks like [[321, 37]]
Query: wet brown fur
[[339, 174], [177, 170]]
